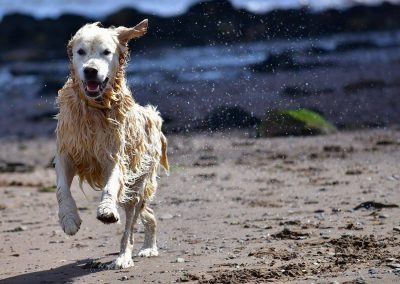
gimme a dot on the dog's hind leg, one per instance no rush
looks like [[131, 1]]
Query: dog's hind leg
[[107, 210], [150, 225], [124, 260], [68, 212]]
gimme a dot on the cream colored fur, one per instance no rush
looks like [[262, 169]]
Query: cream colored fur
[[110, 142]]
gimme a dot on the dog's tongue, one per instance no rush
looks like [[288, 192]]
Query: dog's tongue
[[93, 86]]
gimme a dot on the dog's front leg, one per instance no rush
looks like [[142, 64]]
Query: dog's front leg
[[68, 213], [107, 210]]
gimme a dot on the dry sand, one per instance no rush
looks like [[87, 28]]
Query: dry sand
[[234, 209]]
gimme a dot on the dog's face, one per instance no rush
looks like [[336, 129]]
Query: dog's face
[[95, 51]]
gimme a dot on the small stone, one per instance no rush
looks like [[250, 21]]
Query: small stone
[[18, 229], [166, 216], [360, 281], [394, 265], [373, 271], [123, 278], [397, 229], [180, 260]]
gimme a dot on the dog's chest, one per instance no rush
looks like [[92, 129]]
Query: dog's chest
[[89, 139]]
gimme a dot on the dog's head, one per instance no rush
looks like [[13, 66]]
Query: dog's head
[[95, 54]]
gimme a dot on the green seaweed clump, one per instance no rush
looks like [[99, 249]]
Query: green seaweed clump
[[294, 123]]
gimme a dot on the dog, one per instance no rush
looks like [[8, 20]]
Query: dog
[[106, 139]]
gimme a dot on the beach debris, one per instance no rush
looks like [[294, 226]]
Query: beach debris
[[188, 277], [93, 264], [180, 260], [294, 123], [15, 167], [206, 161], [354, 172], [374, 205], [287, 234], [387, 142], [17, 229], [48, 189]]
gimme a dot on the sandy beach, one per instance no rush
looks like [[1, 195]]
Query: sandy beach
[[233, 210]]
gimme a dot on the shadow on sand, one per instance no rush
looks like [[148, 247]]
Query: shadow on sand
[[62, 274]]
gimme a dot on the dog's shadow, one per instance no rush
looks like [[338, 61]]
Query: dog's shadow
[[62, 274]]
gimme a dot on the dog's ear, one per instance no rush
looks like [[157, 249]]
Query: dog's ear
[[97, 24], [126, 34], [69, 49]]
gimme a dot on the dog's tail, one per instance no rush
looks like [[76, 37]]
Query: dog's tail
[[164, 157]]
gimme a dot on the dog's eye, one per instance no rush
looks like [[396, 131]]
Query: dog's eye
[[81, 51], [106, 52]]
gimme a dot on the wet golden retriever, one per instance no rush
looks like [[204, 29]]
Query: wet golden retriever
[[106, 139]]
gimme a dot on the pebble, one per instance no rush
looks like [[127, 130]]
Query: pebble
[[360, 281], [397, 229], [394, 265], [123, 278], [180, 260], [373, 271], [166, 216]]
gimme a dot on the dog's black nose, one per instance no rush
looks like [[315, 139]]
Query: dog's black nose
[[90, 73]]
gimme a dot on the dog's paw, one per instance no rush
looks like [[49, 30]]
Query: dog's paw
[[107, 213], [148, 252], [70, 222], [122, 262]]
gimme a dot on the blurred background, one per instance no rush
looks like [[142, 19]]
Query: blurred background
[[211, 65]]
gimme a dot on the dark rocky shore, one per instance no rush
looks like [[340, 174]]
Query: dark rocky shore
[[206, 23]]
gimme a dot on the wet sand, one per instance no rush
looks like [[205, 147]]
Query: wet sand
[[234, 210]]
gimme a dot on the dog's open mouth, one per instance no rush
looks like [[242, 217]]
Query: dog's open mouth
[[94, 88]]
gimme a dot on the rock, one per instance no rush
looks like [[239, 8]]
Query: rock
[[393, 265], [224, 117], [285, 62], [294, 123], [353, 45], [17, 229], [373, 271], [204, 23], [359, 280], [93, 264], [166, 216], [365, 85], [287, 234], [180, 260], [304, 91], [374, 205], [15, 167]]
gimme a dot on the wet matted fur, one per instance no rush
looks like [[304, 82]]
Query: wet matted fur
[[110, 142]]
